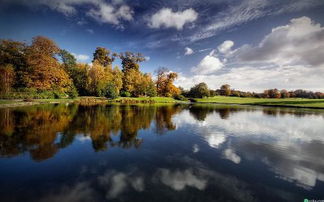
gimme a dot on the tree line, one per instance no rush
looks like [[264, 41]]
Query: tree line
[[201, 90], [43, 70]]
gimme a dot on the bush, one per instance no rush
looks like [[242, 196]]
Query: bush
[[72, 93], [125, 94], [111, 91]]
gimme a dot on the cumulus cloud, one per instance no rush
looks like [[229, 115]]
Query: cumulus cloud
[[290, 56], [169, 19], [81, 57], [107, 13], [208, 65], [188, 51], [299, 42], [225, 47]]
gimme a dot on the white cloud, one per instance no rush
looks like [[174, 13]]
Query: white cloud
[[107, 13], [290, 56], [188, 51], [112, 13], [225, 47], [147, 58], [80, 57], [169, 19], [299, 42], [208, 65], [246, 11]]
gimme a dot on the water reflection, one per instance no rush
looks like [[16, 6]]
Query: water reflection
[[161, 153], [43, 130]]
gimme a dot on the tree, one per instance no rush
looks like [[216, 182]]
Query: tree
[[13, 53], [225, 90], [284, 94], [132, 74], [164, 82], [199, 91], [79, 75], [68, 60], [103, 57], [104, 81], [7, 76], [43, 71]]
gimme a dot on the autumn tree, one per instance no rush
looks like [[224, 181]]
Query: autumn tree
[[199, 91], [103, 56], [164, 83], [43, 71], [13, 53], [225, 90], [133, 79], [7, 76], [104, 81]]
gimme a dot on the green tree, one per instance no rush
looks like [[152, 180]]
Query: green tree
[[68, 60], [225, 90], [199, 91]]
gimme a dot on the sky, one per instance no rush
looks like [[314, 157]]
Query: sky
[[250, 44]]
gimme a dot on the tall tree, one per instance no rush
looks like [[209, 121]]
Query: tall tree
[[131, 71], [103, 56], [68, 60], [43, 71], [13, 53], [7, 76]]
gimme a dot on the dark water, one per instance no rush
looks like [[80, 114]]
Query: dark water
[[160, 153]]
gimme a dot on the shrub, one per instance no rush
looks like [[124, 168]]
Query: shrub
[[111, 91], [72, 93], [125, 94]]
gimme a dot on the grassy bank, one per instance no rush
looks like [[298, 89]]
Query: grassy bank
[[288, 102]]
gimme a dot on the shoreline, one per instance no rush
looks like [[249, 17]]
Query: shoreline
[[155, 100]]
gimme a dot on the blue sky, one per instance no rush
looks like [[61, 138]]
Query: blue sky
[[250, 44]]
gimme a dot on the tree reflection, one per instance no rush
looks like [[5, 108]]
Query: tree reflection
[[43, 130]]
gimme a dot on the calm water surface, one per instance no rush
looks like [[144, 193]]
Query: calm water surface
[[160, 153]]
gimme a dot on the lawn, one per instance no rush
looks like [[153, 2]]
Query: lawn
[[291, 102], [147, 99]]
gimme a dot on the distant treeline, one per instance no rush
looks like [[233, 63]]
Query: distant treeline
[[43, 70], [201, 90]]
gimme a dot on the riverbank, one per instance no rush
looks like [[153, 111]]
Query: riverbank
[[288, 102]]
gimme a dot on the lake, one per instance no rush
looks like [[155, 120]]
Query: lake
[[69, 152]]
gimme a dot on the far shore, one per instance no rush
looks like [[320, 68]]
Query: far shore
[[287, 102]]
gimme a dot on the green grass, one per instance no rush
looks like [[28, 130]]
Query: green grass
[[290, 102], [143, 99]]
